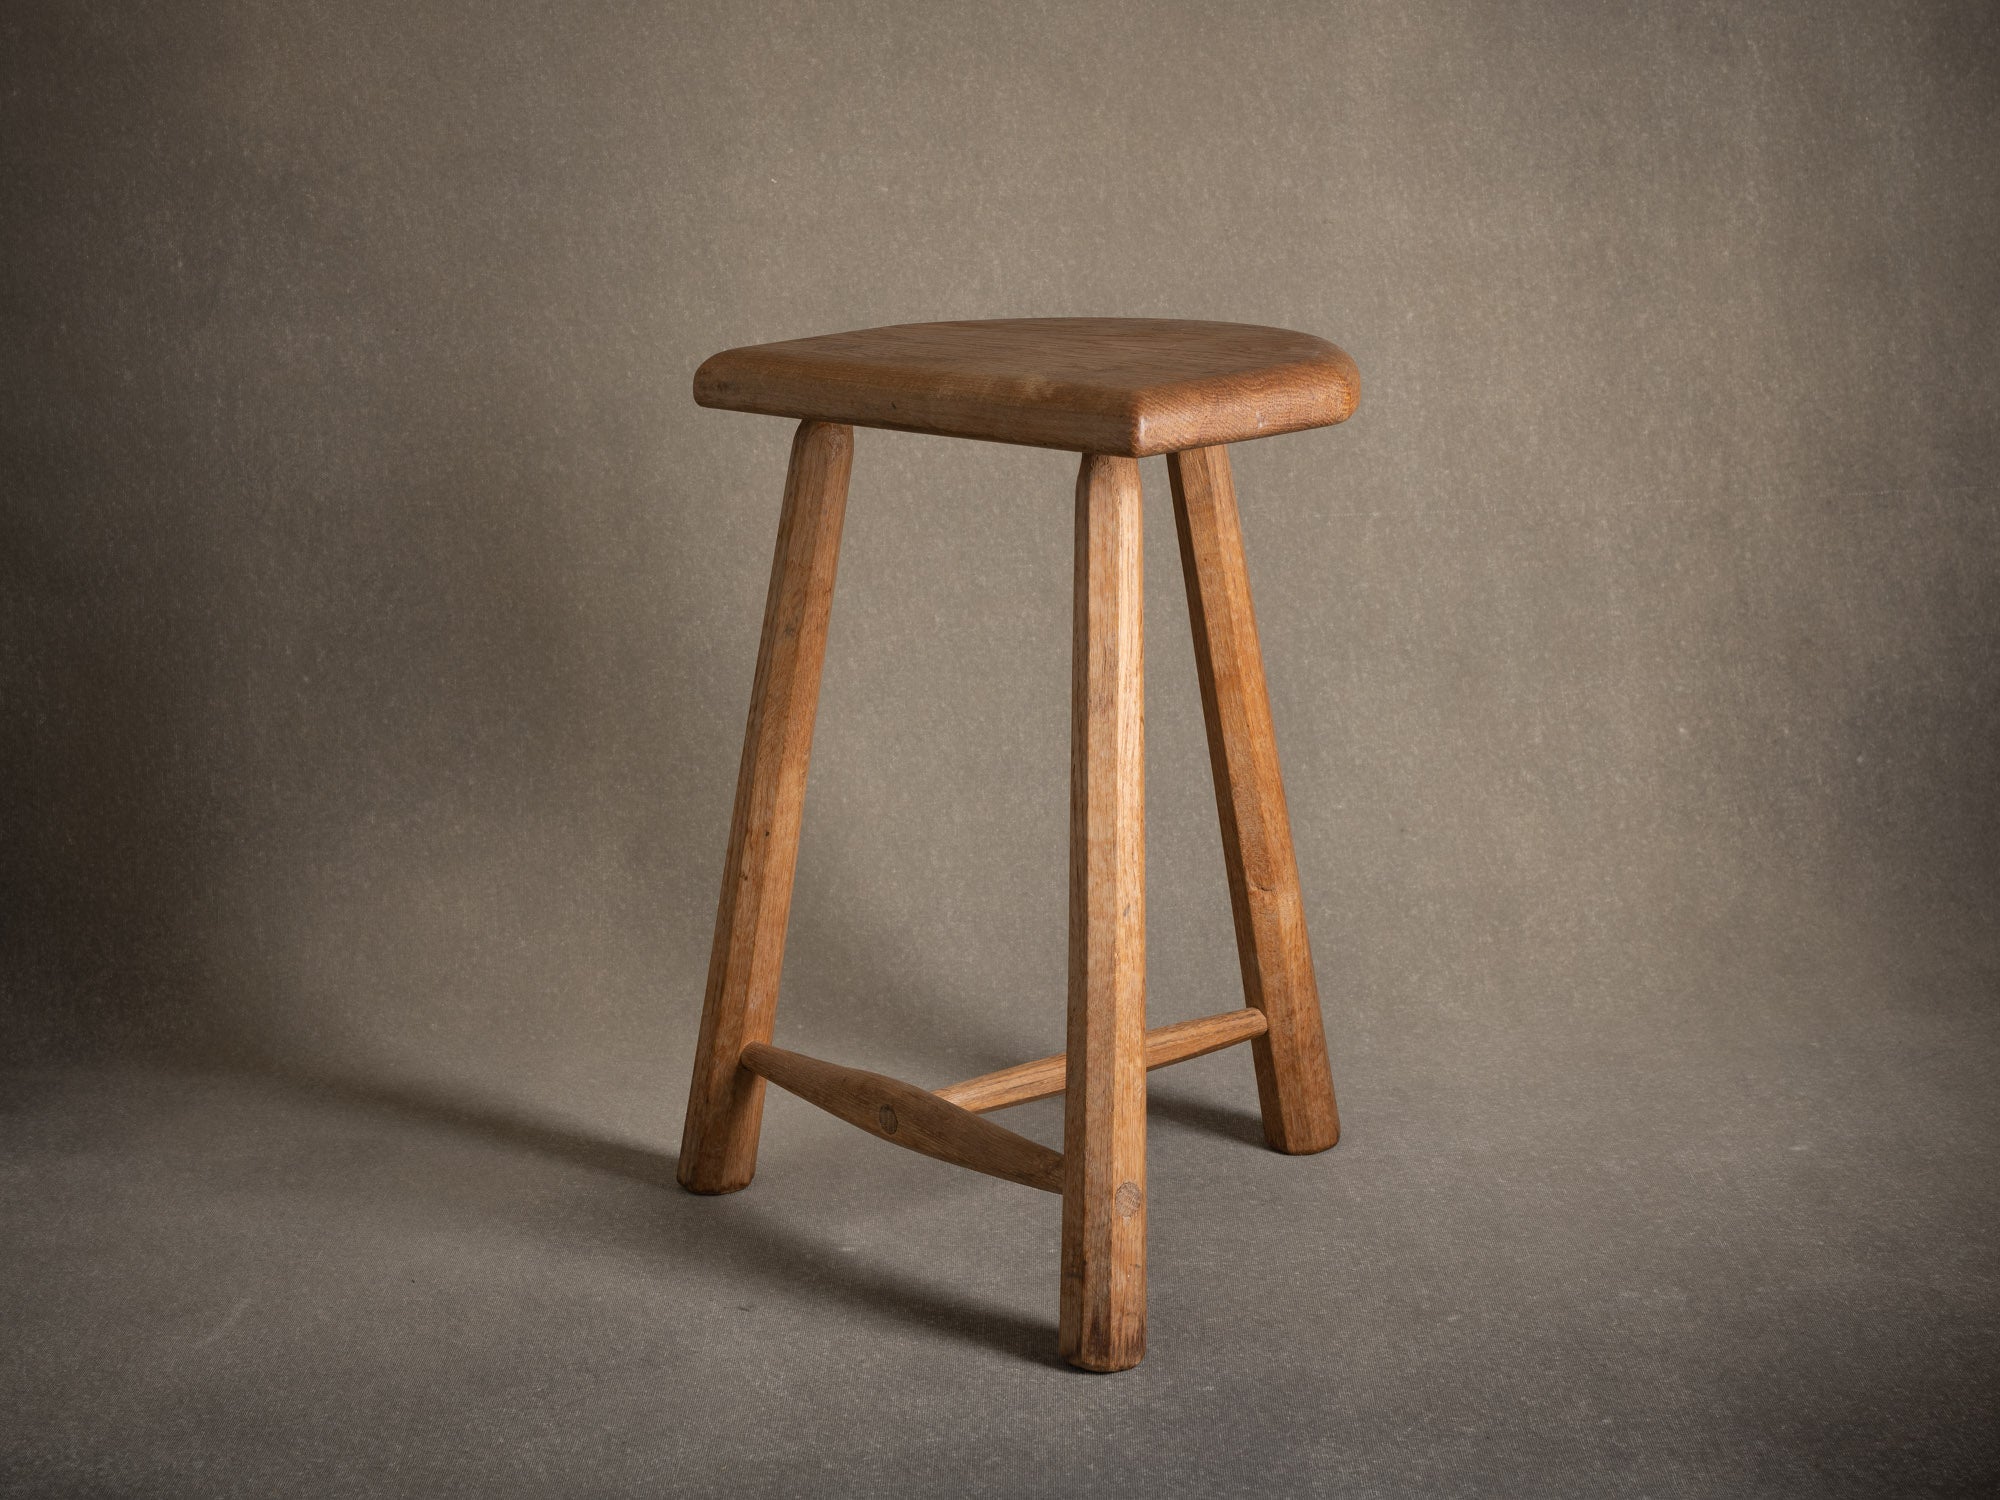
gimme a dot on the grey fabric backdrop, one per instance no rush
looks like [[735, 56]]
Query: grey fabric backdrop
[[379, 618]]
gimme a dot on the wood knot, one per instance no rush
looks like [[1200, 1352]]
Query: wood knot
[[887, 1115], [1128, 1198]]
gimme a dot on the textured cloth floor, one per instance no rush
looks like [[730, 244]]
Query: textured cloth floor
[[1723, 1243]]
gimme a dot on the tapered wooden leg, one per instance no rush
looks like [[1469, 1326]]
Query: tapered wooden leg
[[1104, 1123], [1294, 1082], [726, 1102]]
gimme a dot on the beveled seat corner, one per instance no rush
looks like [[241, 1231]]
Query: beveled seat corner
[[1129, 387]]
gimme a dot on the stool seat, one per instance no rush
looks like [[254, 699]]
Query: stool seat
[[1129, 387]]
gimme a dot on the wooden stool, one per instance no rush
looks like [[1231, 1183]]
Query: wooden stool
[[1114, 390]]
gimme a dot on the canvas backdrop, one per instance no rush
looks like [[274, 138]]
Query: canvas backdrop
[[380, 612]]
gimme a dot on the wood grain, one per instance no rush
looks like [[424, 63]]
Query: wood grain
[[725, 1103], [1130, 386], [1294, 1081], [1104, 1126], [907, 1116], [1165, 1045]]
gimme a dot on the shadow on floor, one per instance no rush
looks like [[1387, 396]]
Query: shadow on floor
[[729, 1232], [1242, 1126]]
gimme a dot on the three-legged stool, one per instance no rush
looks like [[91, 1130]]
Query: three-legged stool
[[1114, 390]]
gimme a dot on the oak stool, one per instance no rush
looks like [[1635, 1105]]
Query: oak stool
[[1114, 390]]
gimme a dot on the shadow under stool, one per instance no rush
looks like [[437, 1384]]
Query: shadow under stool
[[1113, 390]]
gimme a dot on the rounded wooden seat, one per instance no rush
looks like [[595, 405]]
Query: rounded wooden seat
[[1123, 386]]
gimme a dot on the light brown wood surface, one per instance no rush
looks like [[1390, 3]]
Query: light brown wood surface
[[1131, 386], [1294, 1081], [726, 1103], [907, 1116], [1104, 1122], [1165, 1045]]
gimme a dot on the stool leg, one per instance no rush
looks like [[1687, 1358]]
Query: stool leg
[[1104, 1121], [725, 1102], [1294, 1082]]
